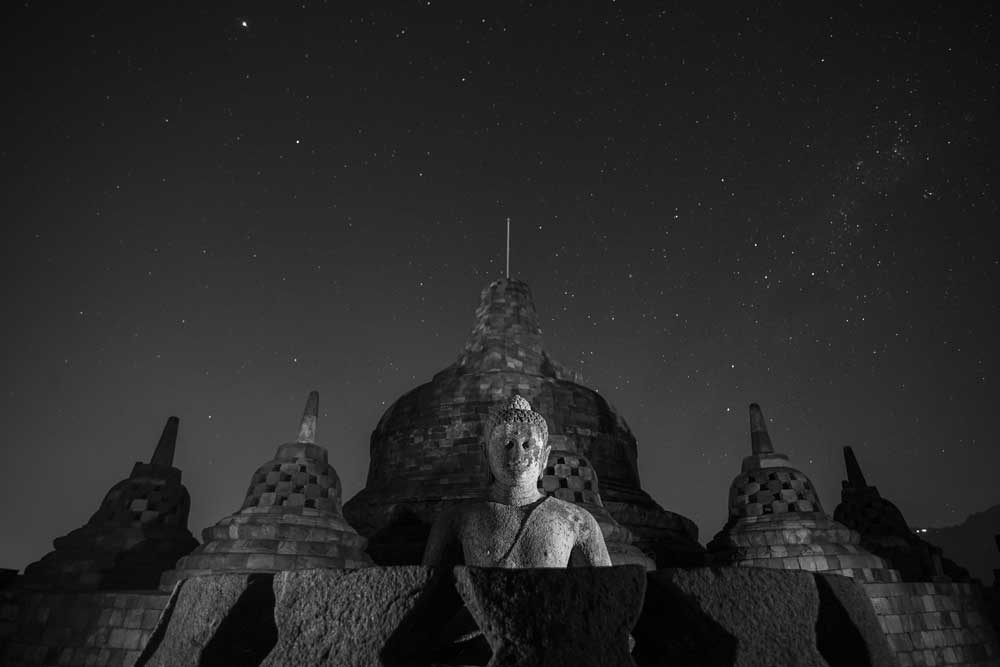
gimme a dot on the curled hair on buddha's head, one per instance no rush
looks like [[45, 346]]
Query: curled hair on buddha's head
[[515, 410]]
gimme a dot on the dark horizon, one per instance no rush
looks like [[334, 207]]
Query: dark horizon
[[785, 206]]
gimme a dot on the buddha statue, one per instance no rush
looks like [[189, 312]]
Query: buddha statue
[[515, 525]]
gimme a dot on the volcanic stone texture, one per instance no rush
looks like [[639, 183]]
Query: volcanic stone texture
[[935, 623], [570, 477], [80, 628], [139, 531], [216, 620], [426, 451], [794, 541], [360, 617], [732, 617], [776, 521], [290, 520], [578, 616]]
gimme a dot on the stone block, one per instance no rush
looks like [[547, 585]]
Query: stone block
[[847, 629], [362, 617], [732, 617], [527, 616], [133, 618], [213, 620]]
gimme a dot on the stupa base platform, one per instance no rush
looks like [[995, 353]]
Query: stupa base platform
[[265, 541], [809, 541]]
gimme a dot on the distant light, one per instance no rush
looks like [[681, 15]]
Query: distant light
[[243, 23]]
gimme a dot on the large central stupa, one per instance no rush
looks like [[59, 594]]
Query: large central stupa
[[426, 451]]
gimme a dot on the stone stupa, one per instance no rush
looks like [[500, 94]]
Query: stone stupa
[[139, 531], [290, 520], [776, 521], [570, 477], [884, 530], [426, 451]]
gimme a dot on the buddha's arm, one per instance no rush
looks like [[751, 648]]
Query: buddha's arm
[[590, 542], [443, 548]]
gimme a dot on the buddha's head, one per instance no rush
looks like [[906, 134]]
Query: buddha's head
[[516, 443]]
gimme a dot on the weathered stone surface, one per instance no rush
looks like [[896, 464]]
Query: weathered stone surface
[[515, 525], [223, 619], [847, 630], [76, 628], [570, 477], [939, 623], [354, 617], [728, 617], [776, 521], [552, 617], [426, 453], [138, 532], [885, 533], [290, 518]]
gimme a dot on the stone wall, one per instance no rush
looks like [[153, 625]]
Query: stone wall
[[722, 616], [10, 607], [100, 628], [935, 623]]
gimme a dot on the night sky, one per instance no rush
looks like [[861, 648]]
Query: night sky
[[210, 212]]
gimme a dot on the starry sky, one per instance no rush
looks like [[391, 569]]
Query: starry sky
[[211, 211]]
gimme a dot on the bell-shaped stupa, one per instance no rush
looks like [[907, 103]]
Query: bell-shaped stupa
[[570, 477], [884, 530], [139, 532], [290, 520], [426, 451], [776, 521]]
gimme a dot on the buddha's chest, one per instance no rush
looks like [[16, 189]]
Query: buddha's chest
[[501, 536]]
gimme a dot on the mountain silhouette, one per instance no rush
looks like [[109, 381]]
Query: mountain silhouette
[[971, 543]]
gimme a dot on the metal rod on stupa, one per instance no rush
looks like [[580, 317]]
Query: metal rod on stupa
[[855, 478], [163, 455], [307, 430], [508, 249], [760, 441]]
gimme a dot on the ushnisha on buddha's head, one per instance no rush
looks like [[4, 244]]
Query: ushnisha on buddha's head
[[515, 441]]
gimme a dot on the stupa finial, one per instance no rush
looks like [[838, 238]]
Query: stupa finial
[[855, 478], [307, 431], [760, 440], [164, 453], [507, 271]]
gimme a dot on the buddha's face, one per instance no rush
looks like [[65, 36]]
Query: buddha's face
[[517, 454]]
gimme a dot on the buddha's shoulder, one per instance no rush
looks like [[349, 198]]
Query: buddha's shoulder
[[566, 509]]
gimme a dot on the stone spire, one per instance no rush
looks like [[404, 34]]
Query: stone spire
[[139, 531], [290, 519], [762, 454], [164, 453], [855, 478], [775, 520], [884, 530], [307, 430], [760, 441], [506, 335]]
